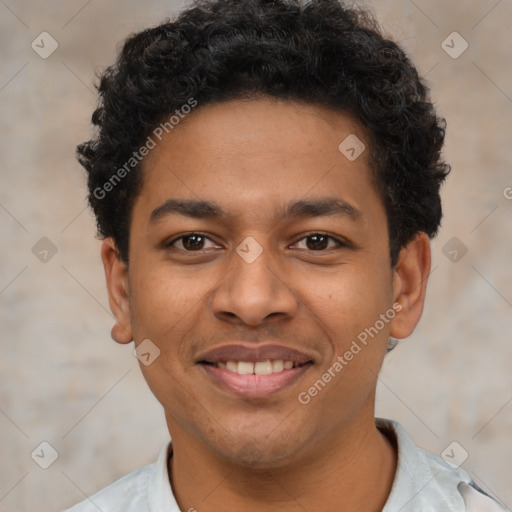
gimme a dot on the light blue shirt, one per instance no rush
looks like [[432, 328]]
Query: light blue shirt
[[423, 482]]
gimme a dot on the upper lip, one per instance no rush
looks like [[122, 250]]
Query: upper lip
[[240, 352]]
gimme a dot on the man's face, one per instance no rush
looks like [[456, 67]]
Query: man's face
[[212, 300]]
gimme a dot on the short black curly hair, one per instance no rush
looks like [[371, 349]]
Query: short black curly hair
[[322, 52]]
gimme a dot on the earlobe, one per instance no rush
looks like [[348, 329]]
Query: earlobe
[[116, 275], [409, 285]]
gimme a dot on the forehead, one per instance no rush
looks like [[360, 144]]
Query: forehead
[[252, 155]]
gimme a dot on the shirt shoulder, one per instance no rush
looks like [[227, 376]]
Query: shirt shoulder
[[453, 479], [426, 482], [476, 500], [128, 494], [147, 489]]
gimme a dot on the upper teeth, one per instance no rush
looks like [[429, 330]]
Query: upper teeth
[[258, 368]]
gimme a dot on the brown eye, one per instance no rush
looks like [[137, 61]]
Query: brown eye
[[190, 243], [193, 242], [320, 242], [317, 242]]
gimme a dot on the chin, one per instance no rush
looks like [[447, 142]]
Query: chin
[[263, 453]]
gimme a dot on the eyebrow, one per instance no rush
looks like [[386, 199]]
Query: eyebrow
[[199, 209]]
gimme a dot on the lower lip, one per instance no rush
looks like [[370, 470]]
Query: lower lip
[[255, 386]]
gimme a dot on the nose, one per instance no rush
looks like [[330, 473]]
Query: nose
[[253, 291]]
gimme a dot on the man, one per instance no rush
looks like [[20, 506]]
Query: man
[[266, 179]]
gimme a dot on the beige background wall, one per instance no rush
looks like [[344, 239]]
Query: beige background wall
[[65, 382]]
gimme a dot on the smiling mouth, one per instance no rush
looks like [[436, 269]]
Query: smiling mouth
[[254, 371], [255, 367], [255, 379]]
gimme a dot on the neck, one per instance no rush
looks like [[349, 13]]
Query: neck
[[355, 469]]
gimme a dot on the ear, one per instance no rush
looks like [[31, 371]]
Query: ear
[[410, 277], [116, 274]]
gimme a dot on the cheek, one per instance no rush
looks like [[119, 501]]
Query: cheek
[[159, 302], [167, 304], [348, 302], [350, 310]]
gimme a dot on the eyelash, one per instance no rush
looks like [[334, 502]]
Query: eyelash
[[340, 243]]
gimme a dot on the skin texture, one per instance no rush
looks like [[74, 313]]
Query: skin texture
[[252, 158]]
